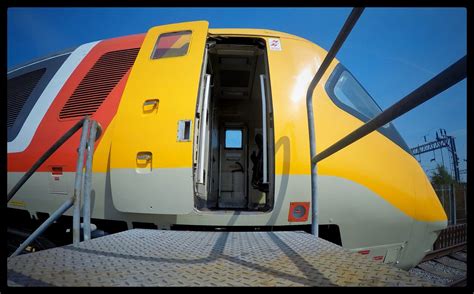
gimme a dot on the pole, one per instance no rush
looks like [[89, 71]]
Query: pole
[[88, 182], [76, 218], [341, 37], [264, 128], [53, 217]]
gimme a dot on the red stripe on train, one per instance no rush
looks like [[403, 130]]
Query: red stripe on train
[[51, 128]]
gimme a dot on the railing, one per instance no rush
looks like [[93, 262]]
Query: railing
[[447, 78], [85, 142], [450, 240], [453, 198], [451, 236], [44, 157]]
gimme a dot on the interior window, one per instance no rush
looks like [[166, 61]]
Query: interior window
[[172, 45], [233, 139]]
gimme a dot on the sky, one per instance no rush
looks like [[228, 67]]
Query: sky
[[391, 51]]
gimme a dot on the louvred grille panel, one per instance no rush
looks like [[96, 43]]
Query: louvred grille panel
[[18, 91], [98, 83]]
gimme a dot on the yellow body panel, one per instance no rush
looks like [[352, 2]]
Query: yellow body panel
[[256, 33], [174, 81], [374, 162]]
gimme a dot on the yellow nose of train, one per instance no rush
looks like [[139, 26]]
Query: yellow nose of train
[[373, 184]]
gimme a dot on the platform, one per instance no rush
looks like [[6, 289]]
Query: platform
[[190, 258]]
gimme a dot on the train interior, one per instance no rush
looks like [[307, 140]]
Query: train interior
[[229, 157]]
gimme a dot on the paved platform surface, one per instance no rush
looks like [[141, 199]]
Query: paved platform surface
[[182, 258]]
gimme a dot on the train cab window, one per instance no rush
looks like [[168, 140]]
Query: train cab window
[[233, 139], [348, 94], [172, 45], [351, 93]]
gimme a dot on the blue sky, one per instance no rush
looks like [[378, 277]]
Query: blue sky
[[391, 51]]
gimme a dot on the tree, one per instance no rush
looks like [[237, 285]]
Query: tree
[[441, 177]]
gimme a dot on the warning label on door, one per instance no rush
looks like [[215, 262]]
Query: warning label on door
[[275, 44]]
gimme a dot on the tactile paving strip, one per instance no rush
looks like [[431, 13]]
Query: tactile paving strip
[[183, 258]]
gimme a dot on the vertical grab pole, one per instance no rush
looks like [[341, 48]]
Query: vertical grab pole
[[202, 131], [264, 128], [77, 185], [341, 37], [88, 182]]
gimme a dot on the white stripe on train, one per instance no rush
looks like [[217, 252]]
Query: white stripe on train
[[24, 137]]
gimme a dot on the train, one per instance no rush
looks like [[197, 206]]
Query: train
[[206, 129]]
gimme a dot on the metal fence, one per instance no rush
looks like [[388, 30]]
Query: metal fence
[[451, 236], [453, 199]]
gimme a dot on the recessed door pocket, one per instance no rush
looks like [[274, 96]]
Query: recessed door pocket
[[144, 162]]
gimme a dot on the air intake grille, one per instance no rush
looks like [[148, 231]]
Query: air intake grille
[[98, 83], [18, 90]]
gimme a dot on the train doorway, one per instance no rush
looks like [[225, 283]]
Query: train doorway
[[233, 136]]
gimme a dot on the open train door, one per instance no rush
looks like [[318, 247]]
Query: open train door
[[151, 151]]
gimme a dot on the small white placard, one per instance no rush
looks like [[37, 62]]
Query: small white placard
[[275, 44]]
